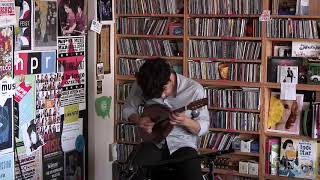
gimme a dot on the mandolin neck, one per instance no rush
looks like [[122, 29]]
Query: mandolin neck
[[180, 110]]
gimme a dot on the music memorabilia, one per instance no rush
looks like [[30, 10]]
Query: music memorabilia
[[71, 70], [72, 18], [7, 13], [31, 165], [104, 10], [53, 166], [6, 127], [23, 28], [45, 24], [32, 137], [6, 51], [73, 165], [103, 48]]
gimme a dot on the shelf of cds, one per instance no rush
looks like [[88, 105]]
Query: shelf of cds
[[242, 62]]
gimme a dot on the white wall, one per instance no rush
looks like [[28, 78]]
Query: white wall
[[100, 131]]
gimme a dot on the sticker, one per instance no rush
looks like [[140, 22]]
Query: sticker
[[95, 26], [103, 105], [80, 143]]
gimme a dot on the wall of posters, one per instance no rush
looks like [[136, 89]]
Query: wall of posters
[[43, 89]]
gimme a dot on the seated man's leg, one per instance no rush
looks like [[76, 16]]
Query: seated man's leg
[[145, 152], [189, 169]]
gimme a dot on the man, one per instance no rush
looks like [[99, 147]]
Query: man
[[158, 83]]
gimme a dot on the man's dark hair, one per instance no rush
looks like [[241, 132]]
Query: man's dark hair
[[152, 76]]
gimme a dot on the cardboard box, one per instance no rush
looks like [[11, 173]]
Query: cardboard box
[[243, 167], [253, 167], [246, 145]]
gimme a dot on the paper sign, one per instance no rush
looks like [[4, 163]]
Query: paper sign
[[6, 166], [288, 91], [70, 133], [95, 26], [265, 16], [7, 13], [7, 89]]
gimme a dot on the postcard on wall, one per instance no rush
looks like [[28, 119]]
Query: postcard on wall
[[7, 13], [6, 51], [285, 115], [72, 18], [45, 24], [31, 165], [71, 70], [23, 28], [6, 127], [103, 48], [7, 166], [306, 49], [35, 62]]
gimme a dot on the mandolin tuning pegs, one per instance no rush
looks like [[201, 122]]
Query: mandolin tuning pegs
[[195, 113]]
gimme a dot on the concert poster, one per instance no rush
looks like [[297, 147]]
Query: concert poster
[[45, 24], [53, 166], [6, 166], [6, 51], [30, 165], [6, 127], [71, 70], [7, 13], [73, 18], [24, 101], [23, 28]]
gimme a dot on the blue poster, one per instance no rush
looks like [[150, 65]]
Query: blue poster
[[6, 166], [6, 127]]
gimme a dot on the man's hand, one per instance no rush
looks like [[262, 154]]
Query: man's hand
[[182, 120], [146, 124]]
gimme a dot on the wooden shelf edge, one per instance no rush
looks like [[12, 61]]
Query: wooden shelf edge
[[271, 177], [234, 131], [228, 83], [225, 60], [294, 136], [294, 17], [206, 150], [223, 15], [304, 87], [294, 39], [229, 172], [143, 57]]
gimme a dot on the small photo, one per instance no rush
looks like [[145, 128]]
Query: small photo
[[32, 139]]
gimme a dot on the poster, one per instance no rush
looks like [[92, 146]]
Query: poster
[[35, 62], [53, 166], [23, 28], [6, 166], [32, 137], [7, 13], [306, 49], [6, 51], [74, 165], [105, 10], [71, 130], [71, 70], [72, 18], [6, 127], [45, 24], [30, 165]]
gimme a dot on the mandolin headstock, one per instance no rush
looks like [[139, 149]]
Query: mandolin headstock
[[197, 104]]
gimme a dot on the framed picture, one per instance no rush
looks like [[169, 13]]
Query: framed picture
[[103, 48], [105, 10]]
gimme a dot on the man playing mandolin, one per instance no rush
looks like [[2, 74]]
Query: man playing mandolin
[[157, 83]]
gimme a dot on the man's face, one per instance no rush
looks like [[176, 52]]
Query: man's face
[[168, 89]]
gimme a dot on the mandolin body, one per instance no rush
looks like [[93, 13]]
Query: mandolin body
[[159, 114]]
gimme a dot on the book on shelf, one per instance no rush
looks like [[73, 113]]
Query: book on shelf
[[284, 115], [272, 156], [175, 29], [302, 7], [282, 51], [298, 158]]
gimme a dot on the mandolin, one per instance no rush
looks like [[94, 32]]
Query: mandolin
[[159, 114]]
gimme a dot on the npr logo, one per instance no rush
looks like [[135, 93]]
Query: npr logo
[[35, 63]]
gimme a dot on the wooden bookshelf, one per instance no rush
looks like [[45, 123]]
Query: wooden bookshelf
[[234, 131], [264, 86], [206, 151]]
